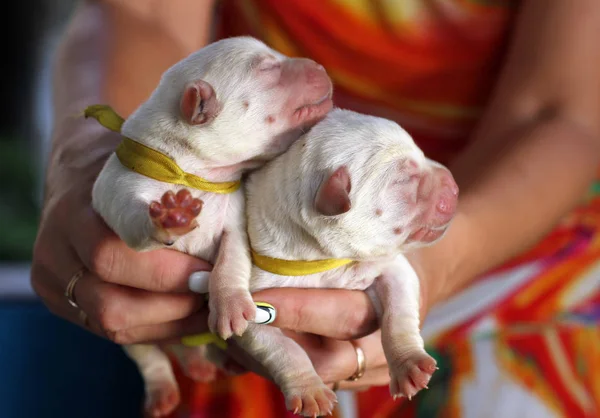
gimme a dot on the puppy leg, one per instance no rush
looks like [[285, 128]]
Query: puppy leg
[[162, 392], [290, 368], [396, 297], [195, 362], [223, 361], [230, 303]]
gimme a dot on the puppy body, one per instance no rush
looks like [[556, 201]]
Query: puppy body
[[354, 187], [225, 109]]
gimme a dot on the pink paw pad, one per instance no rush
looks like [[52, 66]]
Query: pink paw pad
[[175, 214]]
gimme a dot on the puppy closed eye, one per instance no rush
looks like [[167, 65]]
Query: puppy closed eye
[[269, 63], [401, 180]]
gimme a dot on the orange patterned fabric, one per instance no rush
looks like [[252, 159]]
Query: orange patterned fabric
[[428, 64], [523, 341]]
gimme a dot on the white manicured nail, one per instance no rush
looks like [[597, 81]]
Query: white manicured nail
[[198, 281], [265, 313]]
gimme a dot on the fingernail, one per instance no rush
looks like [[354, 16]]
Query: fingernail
[[204, 339], [265, 313], [198, 281]]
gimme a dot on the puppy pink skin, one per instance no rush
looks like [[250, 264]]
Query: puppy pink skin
[[221, 111], [355, 186]]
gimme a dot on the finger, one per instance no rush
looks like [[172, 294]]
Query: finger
[[374, 377], [305, 310], [46, 286], [117, 308], [331, 356], [167, 332], [337, 360], [106, 255]]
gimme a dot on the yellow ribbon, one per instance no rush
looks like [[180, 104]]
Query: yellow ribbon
[[296, 267], [204, 339], [148, 161]]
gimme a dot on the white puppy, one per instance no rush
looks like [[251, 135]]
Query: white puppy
[[220, 112], [354, 187]]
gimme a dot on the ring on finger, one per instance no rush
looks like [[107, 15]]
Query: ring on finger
[[361, 363], [69, 291]]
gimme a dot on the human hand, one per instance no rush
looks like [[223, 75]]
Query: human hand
[[127, 297], [323, 321]]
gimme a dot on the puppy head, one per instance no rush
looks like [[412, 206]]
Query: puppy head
[[238, 100], [369, 190]]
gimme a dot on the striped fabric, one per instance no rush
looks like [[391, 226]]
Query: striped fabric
[[522, 341]]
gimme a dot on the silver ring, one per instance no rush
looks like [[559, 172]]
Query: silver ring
[[71, 287], [361, 361]]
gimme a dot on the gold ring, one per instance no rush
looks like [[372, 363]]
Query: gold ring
[[71, 287], [361, 363]]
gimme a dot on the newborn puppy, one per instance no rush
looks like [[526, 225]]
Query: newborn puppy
[[354, 187], [218, 113]]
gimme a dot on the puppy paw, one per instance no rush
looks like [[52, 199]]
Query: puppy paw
[[202, 372], [162, 399], [175, 215], [196, 366], [412, 374], [310, 400], [230, 312]]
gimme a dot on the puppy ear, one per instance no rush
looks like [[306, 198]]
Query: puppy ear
[[332, 198], [198, 103]]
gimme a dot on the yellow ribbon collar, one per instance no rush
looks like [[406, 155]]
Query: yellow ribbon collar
[[149, 162], [296, 267]]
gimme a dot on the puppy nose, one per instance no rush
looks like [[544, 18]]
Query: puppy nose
[[313, 69], [449, 183], [447, 196], [312, 65], [446, 206]]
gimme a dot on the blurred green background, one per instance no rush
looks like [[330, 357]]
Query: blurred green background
[[18, 199]]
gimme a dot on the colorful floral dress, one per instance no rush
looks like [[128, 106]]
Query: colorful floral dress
[[523, 340]]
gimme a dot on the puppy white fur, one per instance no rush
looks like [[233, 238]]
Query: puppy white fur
[[225, 109], [358, 187]]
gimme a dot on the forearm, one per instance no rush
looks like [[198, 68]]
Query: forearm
[[114, 52], [79, 80], [512, 194], [534, 152]]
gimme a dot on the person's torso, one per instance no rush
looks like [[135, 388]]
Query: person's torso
[[427, 64]]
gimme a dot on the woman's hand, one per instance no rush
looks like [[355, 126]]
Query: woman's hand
[[128, 297], [328, 323], [323, 321]]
